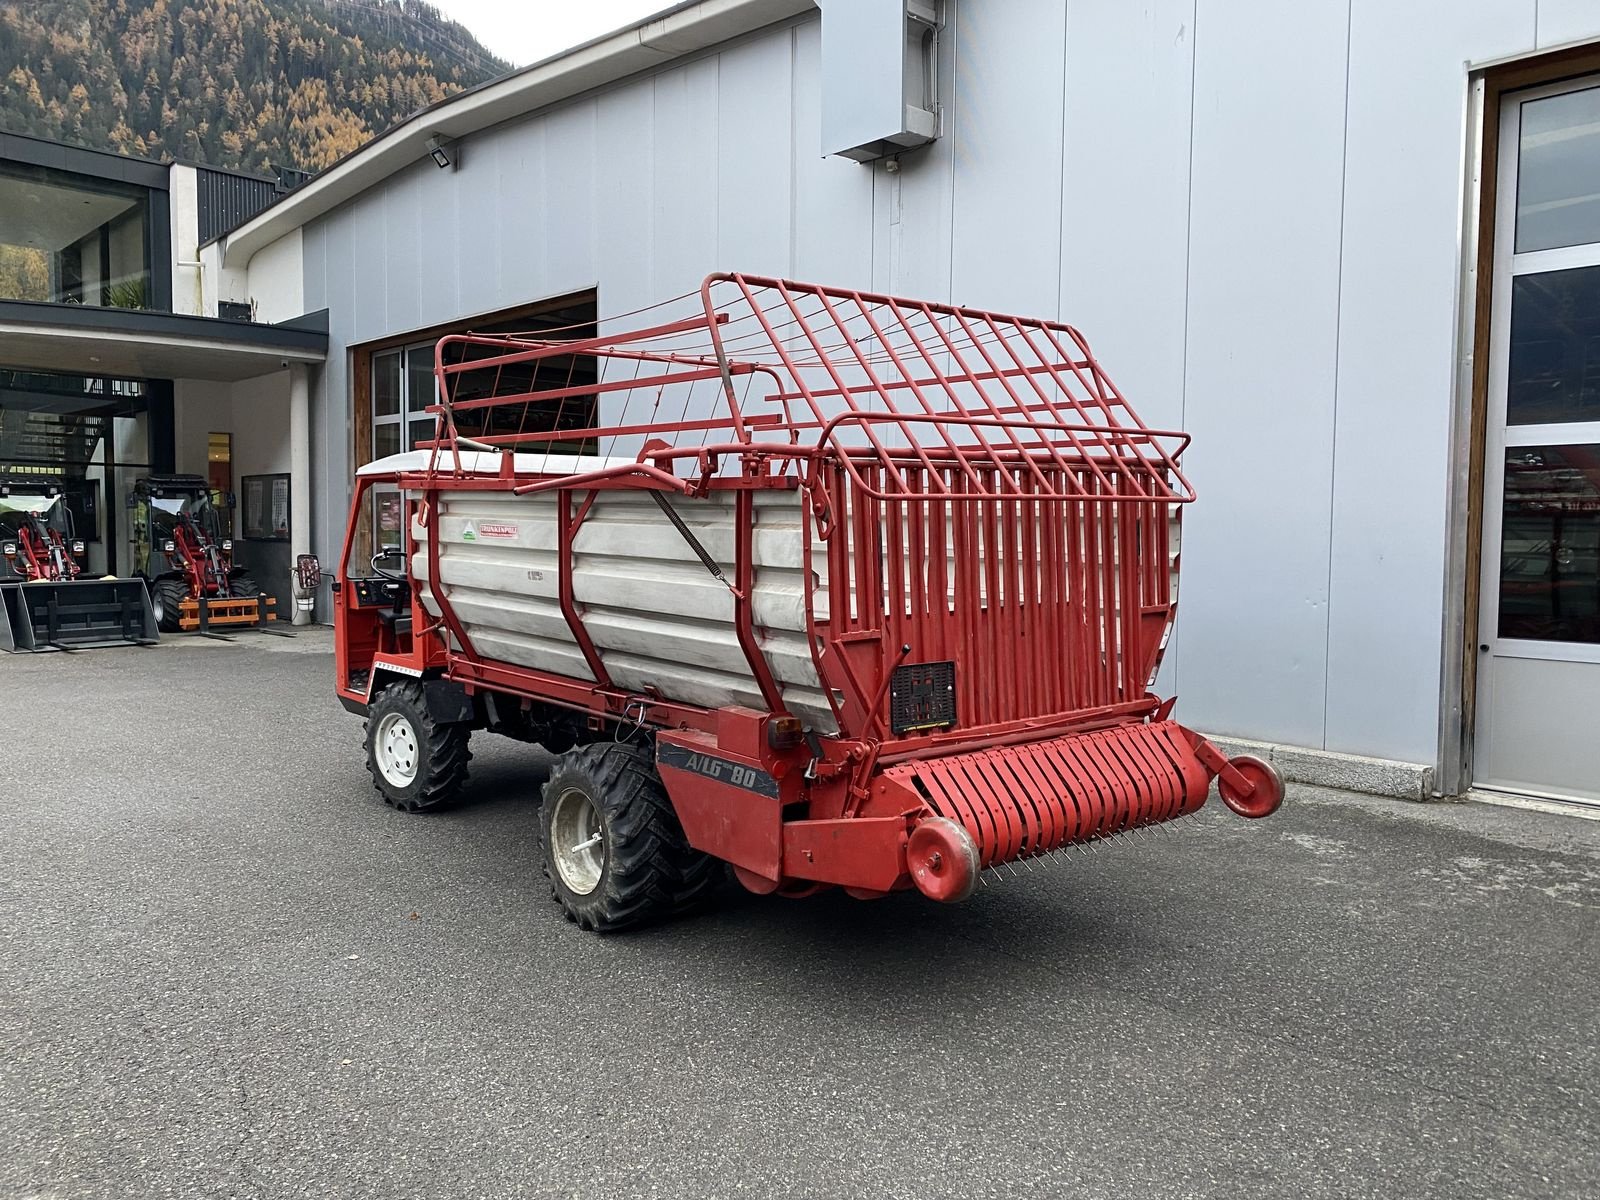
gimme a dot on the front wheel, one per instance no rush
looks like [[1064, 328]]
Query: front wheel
[[416, 763], [244, 587], [613, 849], [166, 603]]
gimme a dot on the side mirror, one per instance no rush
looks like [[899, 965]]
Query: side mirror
[[308, 572]]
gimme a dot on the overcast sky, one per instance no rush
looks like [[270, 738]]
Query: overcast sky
[[525, 31]]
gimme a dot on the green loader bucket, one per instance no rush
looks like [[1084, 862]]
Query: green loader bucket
[[81, 615]]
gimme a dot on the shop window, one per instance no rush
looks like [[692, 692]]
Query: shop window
[[396, 385], [402, 389], [65, 239], [219, 472]]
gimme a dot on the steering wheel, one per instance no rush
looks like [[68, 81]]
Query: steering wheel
[[388, 552]]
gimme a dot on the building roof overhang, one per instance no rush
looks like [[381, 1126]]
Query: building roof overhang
[[80, 340], [657, 40]]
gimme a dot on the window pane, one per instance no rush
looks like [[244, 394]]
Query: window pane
[[385, 439], [1550, 544], [385, 515], [386, 384], [1554, 364], [419, 378], [68, 240], [1558, 172], [421, 431]]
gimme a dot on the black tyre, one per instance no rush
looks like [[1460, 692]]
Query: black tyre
[[612, 847], [243, 586], [166, 600], [416, 763]]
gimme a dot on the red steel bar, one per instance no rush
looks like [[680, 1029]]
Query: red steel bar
[[983, 493]]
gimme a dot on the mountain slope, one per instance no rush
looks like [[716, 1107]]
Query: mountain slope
[[248, 84]]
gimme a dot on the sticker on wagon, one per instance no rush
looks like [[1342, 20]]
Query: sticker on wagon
[[748, 779], [488, 529]]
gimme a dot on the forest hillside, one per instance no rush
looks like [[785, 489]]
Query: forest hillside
[[253, 85]]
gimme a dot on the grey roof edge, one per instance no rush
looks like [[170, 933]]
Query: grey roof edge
[[306, 334], [35, 151], [38, 151]]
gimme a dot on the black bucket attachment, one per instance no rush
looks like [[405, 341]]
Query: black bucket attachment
[[81, 615]]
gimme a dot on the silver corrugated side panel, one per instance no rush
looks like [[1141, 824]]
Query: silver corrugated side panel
[[658, 618]]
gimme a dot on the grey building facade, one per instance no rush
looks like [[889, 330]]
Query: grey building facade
[[1288, 229]]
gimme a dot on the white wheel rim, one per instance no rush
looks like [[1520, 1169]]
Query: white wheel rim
[[394, 746], [577, 842]]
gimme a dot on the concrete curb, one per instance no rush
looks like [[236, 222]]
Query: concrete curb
[[1349, 772]]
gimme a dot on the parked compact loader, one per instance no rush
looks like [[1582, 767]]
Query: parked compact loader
[[45, 603], [180, 550]]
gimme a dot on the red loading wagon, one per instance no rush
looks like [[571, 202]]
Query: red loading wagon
[[840, 589]]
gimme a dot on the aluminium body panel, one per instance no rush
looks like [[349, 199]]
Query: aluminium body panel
[[661, 622]]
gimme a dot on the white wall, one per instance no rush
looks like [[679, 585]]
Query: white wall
[[254, 411], [219, 282], [199, 407], [184, 215], [1251, 208], [275, 283]]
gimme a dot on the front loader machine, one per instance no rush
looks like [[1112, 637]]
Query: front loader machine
[[46, 601], [844, 590], [181, 550]]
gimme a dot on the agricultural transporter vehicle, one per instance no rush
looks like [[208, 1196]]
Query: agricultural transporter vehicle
[[841, 589], [182, 552], [46, 602]]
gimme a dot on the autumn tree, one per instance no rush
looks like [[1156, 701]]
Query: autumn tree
[[247, 84]]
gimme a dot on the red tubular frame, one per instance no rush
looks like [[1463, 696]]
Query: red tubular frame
[[978, 492], [39, 550]]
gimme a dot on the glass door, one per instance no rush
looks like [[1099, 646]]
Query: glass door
[[1539, 625]]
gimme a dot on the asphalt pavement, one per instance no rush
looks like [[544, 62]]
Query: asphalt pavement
[[226, 969]]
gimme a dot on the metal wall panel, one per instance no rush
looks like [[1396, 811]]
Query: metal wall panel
[[1125, 217], [482, 218], [1005, 125], [831, 206], [624, 250], [520, 180], [1562, 21], [404, 248], [1176, 177], [1400, 271], [568, 227], [755, 165], [685, 176], [224, 200], [1268, 157], [912, 223]]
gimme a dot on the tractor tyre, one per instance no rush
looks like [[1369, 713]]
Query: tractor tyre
[[166, 600], [611, 844], [417, 764], [243, 587]]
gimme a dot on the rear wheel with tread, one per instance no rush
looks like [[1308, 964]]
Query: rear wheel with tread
[[611, 844], [417, 764]]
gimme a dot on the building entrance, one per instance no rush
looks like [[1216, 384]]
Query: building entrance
[[92, 436]]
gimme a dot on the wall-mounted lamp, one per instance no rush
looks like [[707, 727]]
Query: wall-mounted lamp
[[446, 152]]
